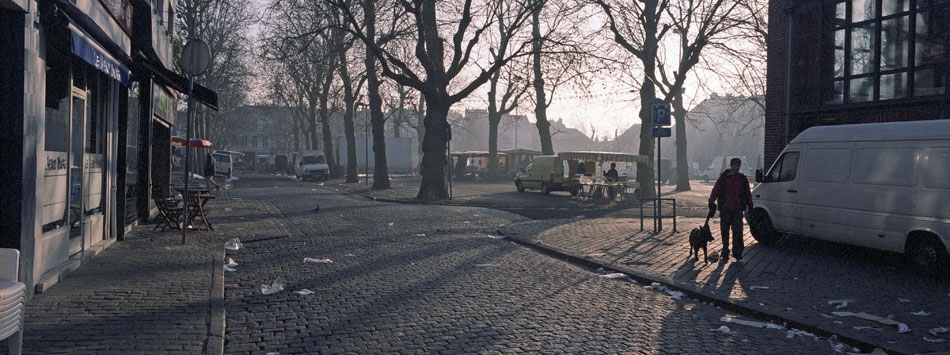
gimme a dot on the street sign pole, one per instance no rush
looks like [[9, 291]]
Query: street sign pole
[[195, 59], [661, 118]]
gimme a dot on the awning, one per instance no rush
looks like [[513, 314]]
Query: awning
[[603, 157], [195, 142], [85, 47], [179, 83]]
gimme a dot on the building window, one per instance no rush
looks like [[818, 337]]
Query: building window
[[884, 50], [254, 141]]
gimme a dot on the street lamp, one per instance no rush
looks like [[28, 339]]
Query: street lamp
[[365, 140]]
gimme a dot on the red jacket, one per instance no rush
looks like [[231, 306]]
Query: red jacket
[[732, 192]]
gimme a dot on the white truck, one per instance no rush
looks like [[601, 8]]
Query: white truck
[[312, 165], [880, 185], [398, 154]]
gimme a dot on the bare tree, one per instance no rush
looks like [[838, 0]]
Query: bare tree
[[514, 88], [636, 28], [696, 23], [435, 79]]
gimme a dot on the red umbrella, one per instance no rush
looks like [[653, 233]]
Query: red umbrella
[[195, 142]]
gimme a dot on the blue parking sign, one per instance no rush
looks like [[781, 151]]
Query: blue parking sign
[[661, 113], [662, 132]]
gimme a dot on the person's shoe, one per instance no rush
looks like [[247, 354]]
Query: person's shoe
[[737, 255], [725, 255]]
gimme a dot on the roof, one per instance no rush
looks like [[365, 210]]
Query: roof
[[603, 156], [915, 130], [522, 151], [475, 153]]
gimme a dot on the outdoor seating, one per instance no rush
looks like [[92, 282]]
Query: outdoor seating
[[197, 199], [169, 209], [12, 298]]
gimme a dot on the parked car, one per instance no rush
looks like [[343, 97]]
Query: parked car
[[883, 186], [313, 164], [721, 163], [222, 164]]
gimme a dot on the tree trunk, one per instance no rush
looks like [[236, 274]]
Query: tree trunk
[[312, 122], [380, 166], [325, 123], [682, 164], [494, 118], [435, 183], [352, 172], [540, 107]]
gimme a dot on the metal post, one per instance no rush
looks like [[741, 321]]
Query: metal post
[[448, 146], [184, 195], [365, 148], [659, 168]]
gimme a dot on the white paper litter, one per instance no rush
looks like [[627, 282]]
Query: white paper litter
[[903, 328], [866, 328], [722, 329], [233, 244], [231, 263], [580, 217], [228, 269], [390, 224], [236, 198], [276, 287], [921, 313], [615, 275], [751, 323], [795, 332], [843, 314], [484, 265], [935, 340], [758, 287], [877, 351], [319, 261], [903, 300], [421, 235], [838, 346], [675, 294], [840, 303], [227, 209], [492, 236], [304, 292], [273, 353], [938, 331]]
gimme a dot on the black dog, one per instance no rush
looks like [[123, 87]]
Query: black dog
[[698, 238]]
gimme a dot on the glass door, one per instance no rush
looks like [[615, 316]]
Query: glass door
[[76, 208]]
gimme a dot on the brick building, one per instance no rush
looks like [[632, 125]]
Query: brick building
[[854, 61]]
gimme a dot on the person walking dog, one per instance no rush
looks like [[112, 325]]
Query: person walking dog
[[733, 196]]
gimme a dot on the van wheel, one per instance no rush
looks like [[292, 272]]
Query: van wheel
[[761, 227], [545, 189], [925, 252], [519, 186]]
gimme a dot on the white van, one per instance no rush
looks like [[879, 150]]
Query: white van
[[884, 186], [720, 164], [312, 164], [222, 163]]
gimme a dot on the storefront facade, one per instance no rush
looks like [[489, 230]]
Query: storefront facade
[[854, 61], [81, 94]]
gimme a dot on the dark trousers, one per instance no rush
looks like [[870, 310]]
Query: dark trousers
[[731, 220]]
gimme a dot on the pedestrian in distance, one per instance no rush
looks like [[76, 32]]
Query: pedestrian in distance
[[209, 173], [612, 175], [733, 196], [580, 168]]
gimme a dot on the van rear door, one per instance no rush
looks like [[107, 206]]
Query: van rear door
[[781, 192]]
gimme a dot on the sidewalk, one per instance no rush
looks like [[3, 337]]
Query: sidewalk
[[149, 293], [792, 281]]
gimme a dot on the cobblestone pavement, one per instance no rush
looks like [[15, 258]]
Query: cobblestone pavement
[[426, 278], [559, 204], [148, 294], [795, 279]]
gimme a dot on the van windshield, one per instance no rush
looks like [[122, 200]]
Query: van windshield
[[310, 159], [224, 158]]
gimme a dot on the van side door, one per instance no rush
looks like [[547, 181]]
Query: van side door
[[781, 192]]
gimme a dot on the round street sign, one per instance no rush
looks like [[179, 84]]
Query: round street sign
[[196, 57]]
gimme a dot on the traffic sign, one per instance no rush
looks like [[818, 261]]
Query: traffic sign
[[661, 113], [195, 58], [662, 132]]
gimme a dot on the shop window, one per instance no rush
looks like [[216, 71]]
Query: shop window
[[884, 50], [56, 141]]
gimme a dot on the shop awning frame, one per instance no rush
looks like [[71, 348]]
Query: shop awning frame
[[179, 83]]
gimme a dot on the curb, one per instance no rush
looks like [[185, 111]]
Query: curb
[[215, 342], [692, 293]]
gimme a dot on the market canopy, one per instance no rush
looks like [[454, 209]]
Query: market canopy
[[603, 157], [195, 142], [475, 153]]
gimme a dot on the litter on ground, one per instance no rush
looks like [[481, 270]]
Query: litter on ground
[[840, 303], [492, 236], [877, 351], [231, 263], [750, 323], [304, 292], [484, 265], [421, 235], [722, 329], [233, 244], [615, 275], [938, 331], [866, 328], [901, 327], [675, 294], [228, 269], [276, 287], [903, 300], [935, 340], [921, 313], [227, 209], [758, 287], [795, 332], [319, 261]]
